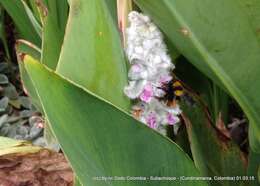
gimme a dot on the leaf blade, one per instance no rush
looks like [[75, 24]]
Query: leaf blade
[[54, 23], [213, 153], [213, 41], [22, 21], [97, 150], [92, 55]]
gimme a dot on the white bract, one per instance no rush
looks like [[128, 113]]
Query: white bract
[[151, 69]]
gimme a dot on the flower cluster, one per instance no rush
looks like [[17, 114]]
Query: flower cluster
[[150, 70]]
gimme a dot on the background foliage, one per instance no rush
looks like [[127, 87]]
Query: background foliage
[[71, 56]]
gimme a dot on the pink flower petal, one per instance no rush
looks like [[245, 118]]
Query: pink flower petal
[[151, 120], [171, 119], [147, 93], [136, 68]]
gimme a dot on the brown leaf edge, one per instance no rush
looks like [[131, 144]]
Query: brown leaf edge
[[221, 134]]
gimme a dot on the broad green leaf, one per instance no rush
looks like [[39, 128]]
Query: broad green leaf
[[182, 140], [76, 181], [92, 55], [16, 10], [252, 9], [36, 25], [101, 140], [253, 168], [33, 6], [172, 51], [213, 153], [24, 47], [112, 7], [50, 137], [218, 39], [218, 103], [3, 37], [60, 9], [54, 17], [258, 175]]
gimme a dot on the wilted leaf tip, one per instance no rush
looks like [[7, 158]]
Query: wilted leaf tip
[[21, 56], [43, 9], [28, 60]]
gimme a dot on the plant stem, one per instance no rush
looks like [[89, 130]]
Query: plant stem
[[123, 9]]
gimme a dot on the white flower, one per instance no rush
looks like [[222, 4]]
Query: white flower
[[150, 70], [135, 88]]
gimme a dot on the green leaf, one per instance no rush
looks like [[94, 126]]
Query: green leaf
[[36, 25], [24, 47], [254, 167], [92, 55], [252, 9], [33, 6], [3, 37], [16, 10], [112, 7], [258, 174], [213, 153], [182, 140], [77, 182], [218, 39], [50, 137], [173, 52], [54, 16], [101, 140]]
